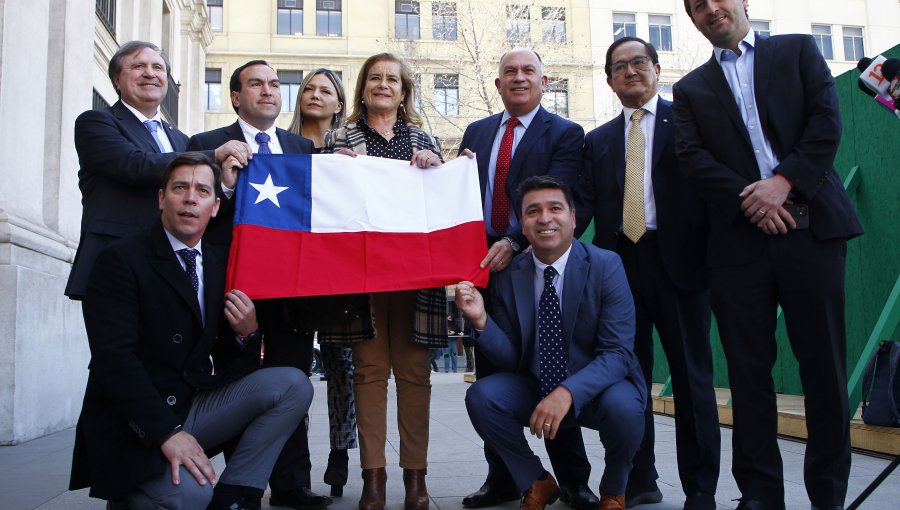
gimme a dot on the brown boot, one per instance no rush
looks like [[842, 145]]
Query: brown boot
[[540, 494], [374, 481], [416, 492], [610, 502]]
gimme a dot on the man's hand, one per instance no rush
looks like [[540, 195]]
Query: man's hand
[[471, 304], [424, 159], [763, 198], [549, 413], [779, 223], [183, 450], [498, 256], [240, 312], [232, 155]]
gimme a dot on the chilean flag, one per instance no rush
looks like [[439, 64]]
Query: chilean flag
[[311, 225]]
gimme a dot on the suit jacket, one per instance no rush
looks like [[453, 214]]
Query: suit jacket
[[551, 146], [121, 168], [681, 221], [798, 111], [219, 230], [597, 315], [150, 352]]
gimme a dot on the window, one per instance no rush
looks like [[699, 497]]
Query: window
[[623, 25], [212, 89], [518, 24], [106, 11], [443, 21], [853, 43], [553, 24], [328, 18], [446, 94], [761, 27], [97, 101], [290, 17], [216, 15], [822, 35], [290, 85], [556, 99], [661, 32], [406, 19]]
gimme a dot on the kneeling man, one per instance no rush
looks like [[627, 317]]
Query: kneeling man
[[561, 332], [173, 368]]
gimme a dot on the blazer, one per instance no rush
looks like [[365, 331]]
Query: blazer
[[551, 146], [219, 230], [120, 173], [597, 315], [150, 352], [681, 222], [798, 111]]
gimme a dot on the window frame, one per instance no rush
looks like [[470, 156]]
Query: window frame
[[628, 28], [290, 81], [446, 83], [662, 30], [407, 19], [820, 40], [334, 16]]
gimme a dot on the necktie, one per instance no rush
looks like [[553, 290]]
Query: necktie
[[189, 256], [263, 140], [500, 201], [552, 352], [634, 222], [151, 126]]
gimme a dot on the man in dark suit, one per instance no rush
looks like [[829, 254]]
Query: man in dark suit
[[122, 151], [644, 210], [561, 334], [757, 128], [154, 401], [256, 97], [522, 141]]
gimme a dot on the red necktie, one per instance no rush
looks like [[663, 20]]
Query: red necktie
[[500, 201]]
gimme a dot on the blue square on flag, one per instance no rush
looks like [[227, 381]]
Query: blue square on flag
[[275, 192]]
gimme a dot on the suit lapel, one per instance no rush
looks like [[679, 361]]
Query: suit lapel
[[539, 125], [573, 288], [523, 294], [178, 143], [288, 143], [134, 125], [661, 133], [213, 284], [618, 151], [762, 63], [483, 143], [166, 264], [715, 77]]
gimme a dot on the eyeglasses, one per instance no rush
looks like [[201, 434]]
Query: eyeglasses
[[637, 63]]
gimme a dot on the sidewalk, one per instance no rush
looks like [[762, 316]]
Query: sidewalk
[[36, 474]]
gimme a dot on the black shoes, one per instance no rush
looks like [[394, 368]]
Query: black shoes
[[336, 473], [643, 495], [235, 497], [490, 494], [299, 499], [700, 501], [578, 496]]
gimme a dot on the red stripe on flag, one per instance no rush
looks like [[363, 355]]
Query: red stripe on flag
[[270, 263]]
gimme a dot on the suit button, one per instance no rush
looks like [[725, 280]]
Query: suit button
[[171, 400], [177, 338]]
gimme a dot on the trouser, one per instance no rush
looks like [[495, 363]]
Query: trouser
[[338, 365]]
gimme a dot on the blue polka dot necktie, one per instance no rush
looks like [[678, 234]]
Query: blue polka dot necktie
[[263, 140], [552, 352], [189, 256]]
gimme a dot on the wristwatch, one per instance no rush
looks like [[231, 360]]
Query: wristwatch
[[512, 244]]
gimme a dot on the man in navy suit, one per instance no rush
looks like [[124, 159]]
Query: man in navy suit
[[561, 334], [644, 210], [122, 151], [256, 97], [537, 143], [757, 129]]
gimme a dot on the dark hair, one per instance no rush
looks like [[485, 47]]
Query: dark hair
[[192, 159], [338, 118], [687, 7], [405, 111], [235, 84], [539, 182], [651, 51], [129, 48]]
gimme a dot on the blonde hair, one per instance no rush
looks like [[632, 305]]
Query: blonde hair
[[337, 120]]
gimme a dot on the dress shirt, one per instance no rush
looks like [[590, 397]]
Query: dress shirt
[[160, 131], [250, 137], [518, 133], [738, 71], [560, 266], [648, 127], [178, 245]]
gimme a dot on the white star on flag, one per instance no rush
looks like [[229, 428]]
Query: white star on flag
[[268, 191]]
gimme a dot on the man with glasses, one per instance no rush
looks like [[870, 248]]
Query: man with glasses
[[644, 210]]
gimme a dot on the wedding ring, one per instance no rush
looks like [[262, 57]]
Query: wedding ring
[[761, 211], [547, 425]]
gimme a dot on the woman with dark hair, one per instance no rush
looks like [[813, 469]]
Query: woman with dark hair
[[384, 124]]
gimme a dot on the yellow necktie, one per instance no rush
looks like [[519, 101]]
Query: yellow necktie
[[634, 223]]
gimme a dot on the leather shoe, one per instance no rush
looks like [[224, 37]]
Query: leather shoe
[[416, 492], [336, 473], [235, 497], [578, 496], [643, 496], [300, 498], [374, 482], [490, 494], [612, 502], [700, 501], [540, 494], [752, 504], [116, 504]]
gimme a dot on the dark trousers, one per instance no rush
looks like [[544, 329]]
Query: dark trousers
[[682, 319], [806, 277]]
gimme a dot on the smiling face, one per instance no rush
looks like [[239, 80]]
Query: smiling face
[[383, 91], [548, 223], [319, 100], [722, 22], [188, 202], [142, 82], [521, 82], [634, 84], [259, 100]]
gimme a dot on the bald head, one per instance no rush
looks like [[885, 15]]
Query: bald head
[[521, 81]]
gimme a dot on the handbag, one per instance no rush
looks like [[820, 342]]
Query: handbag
[[881, 386]]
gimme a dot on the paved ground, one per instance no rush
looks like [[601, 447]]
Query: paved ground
[[35, 474]]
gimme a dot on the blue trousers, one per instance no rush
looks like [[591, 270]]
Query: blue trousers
[[500, 406]]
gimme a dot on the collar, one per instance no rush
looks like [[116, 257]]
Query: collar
[[178, 245], [250, 131], [140, 116], [524, 120], [650, 106], [559, 264], [748, 42], [400, 126]]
